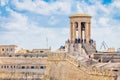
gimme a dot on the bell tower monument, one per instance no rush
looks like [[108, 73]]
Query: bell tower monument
[[80, 29]]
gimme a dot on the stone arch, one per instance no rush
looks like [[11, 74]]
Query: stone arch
[[83, 31], [82, 26], [76, 31], [76, 26]]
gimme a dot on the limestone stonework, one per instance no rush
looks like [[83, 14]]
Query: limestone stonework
[[80, 23], [67, 68], [8, 49], [80, 59]]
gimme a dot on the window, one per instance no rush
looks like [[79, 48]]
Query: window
[[42, 67], [32, 67], [11, 49], [4, 66], [41, 51], [23, 67], [116, 70], [12, 66], [2, 49], [10, 55]]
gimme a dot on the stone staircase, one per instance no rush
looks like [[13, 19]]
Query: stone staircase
[[75, 49], [89, 48], [69, 65]]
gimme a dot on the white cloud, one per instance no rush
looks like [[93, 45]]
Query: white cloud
[[53, 20], [29, 35], [16, 21], [107, 34], [116, 3], [4, 2], [24, 31], [42, 7], [104, 21], [32, 39], [0, 12]]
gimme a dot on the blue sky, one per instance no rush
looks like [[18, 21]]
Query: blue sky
[[30, 23]]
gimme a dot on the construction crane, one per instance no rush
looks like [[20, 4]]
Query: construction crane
[[104, 46]]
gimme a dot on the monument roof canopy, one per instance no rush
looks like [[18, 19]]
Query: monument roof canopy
[[80, 15]]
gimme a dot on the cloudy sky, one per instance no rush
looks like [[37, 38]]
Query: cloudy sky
[[43, 23]]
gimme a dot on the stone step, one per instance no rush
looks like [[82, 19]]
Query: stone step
[[89, 48]]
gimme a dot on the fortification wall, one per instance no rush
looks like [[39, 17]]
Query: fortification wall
[[68, 68]]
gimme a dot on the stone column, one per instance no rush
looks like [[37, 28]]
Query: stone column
[[74, 32], [71, 32], [79, 30], [87, 32]]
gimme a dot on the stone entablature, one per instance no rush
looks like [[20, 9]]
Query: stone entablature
[[80, 15], [73, 20]]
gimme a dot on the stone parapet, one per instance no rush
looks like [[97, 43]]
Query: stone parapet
[[79, 68]]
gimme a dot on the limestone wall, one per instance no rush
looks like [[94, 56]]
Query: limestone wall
[[70, 69]]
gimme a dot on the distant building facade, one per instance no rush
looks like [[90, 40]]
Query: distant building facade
[[23, 51], [24, 65], [111, 50], [8, 49], [41, 51]]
